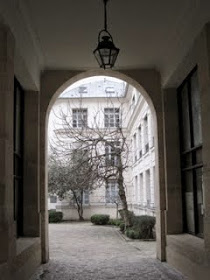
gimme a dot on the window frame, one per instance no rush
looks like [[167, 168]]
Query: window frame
[[189, 157], [111, 117], [79, 117], [111, 157], [18, 156], [109, 185]]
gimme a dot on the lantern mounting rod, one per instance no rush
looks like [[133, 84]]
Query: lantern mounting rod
[[105, 15]]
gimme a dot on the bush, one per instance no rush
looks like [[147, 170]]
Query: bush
[[115, 222], [122, 227], [144, 226], [55, 217], [100, 219], [130, 214], [132, 233]]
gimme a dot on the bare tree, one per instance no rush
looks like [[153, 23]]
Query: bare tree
[[106, 148], [70, 177]]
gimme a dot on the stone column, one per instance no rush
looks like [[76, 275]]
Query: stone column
[[160, 195], [44, 187], [31, 219], [7, 228], [174, 221]]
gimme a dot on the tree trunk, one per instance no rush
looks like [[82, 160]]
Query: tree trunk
[[116, 210], [80, 212], [79, 206], [125, 212]]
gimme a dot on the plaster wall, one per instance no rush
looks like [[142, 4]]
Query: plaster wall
[[19, 257], [27, 55], [182, 249], [70, 213]]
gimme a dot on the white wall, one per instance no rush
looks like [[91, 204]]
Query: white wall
[[133, 108]]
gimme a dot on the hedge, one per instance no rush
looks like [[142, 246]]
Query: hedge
[[55, 217], [115, 222], [100, 219], [142, 227]]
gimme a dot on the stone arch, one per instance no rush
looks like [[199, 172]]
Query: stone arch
[[53, 83]]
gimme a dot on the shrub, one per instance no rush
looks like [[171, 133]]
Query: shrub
[[129, 233], [122, 227], [130, 213], [100, 219], [55, 217], [115, 222], [144, 225], [132, 233]]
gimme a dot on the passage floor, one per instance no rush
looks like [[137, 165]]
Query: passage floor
[[82, 251]]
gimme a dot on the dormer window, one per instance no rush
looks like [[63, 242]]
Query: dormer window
[[83, 89], [110, 90]]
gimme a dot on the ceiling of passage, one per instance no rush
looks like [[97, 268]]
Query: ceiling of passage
[[150, 33]]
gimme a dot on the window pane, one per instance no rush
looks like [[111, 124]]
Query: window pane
[[187, 160], [199, 156], [79, 117], [111, 117], [189, 201], [185, 120], [18, 156], [53, 199], [199, 185], [191, 157], [196, 110]]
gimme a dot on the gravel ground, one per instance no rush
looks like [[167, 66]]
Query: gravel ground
[[82, 251]]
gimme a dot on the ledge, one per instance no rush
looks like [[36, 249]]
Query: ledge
[[187, 245], [24, 243]]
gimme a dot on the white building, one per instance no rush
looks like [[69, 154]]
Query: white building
[[108, 103]]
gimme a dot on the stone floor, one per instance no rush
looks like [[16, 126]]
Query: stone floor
[[82, 251]]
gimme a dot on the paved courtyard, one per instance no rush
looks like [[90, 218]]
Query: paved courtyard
[[82, 251]]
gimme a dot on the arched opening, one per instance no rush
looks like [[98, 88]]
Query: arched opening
[[158, 160]]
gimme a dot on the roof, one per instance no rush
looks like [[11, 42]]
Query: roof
[[99, 86]]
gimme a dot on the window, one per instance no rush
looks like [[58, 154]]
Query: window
[[112, 192], [191, 153], [153, 188], [135, 147], [133, 101], [53, 199], [146, 134], [79, 117], [140, 141], [136, 189], [110, 90], [83, 89], [79, 155], [111, 117], [18, 156], [141, 191], [153, 142], [148, 188], [112, 153], [86, 197]]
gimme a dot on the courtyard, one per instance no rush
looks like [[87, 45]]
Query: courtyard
[[82, 251]]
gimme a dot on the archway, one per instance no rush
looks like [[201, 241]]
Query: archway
[[53, 84]]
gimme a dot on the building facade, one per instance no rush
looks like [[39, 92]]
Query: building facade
[[108, 103]]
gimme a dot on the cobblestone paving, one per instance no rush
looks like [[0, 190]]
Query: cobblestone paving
[[82, 251]]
